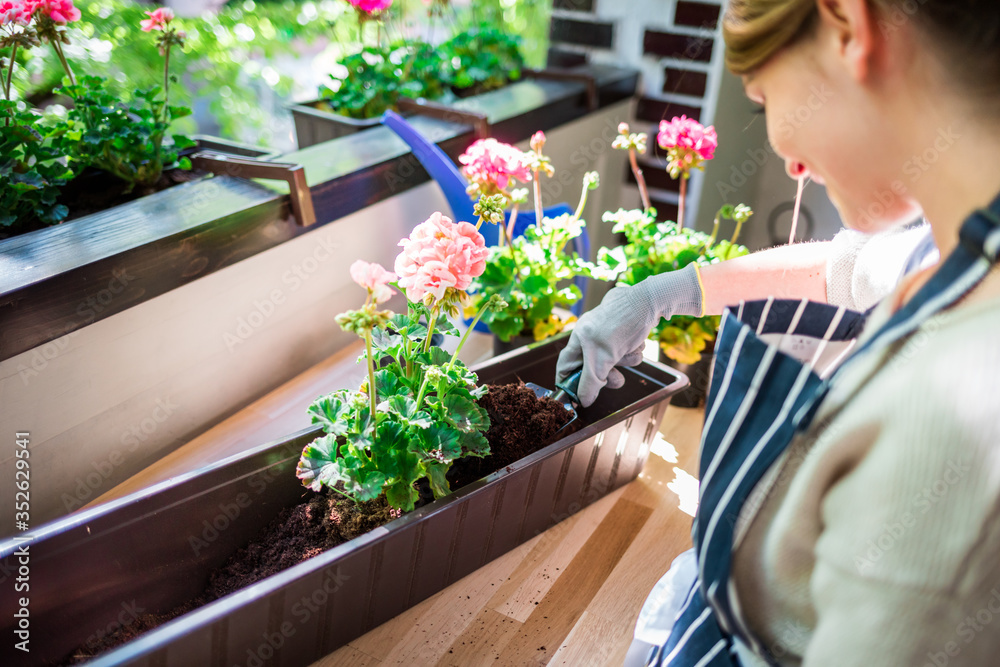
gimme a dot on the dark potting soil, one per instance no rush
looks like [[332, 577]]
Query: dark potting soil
[[520, 424]]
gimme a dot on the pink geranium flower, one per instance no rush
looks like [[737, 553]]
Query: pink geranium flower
[[440, 254], [371, 6], [15, 12], [60, 11], [158, 19], [490, 164], [374, 278], [688, 144]]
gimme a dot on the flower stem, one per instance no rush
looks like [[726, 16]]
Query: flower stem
[[62, 59], [537, 187], [166, 78], [680, 203], [715, 232], [513, 221], [736, 233], [639, 179], [10, 71], [583, 202], [423, 390], [409, 362], [472, 326], [430, 330], [371, 373]]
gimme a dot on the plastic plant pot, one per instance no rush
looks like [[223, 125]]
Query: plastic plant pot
[[153, 550]]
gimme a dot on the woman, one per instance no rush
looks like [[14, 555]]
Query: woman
[[853, 520]]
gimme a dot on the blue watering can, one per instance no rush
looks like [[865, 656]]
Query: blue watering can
[[453, 184]]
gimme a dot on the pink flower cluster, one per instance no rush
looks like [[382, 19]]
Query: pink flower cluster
[[60, 11], [440, 254], [374, 278], [158, 19], [687, 142], [371, 6], [491, 164], [15, 12], [19, 12]]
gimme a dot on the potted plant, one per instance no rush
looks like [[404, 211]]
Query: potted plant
[[99, 152], [654, 247], [419, 410], [482, 58], [534, 271], [374, 79]]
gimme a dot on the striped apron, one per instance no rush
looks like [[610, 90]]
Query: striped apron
[[761, 396]]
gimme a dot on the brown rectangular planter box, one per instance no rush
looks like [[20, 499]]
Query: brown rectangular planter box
[[314, 126], [153, 550]]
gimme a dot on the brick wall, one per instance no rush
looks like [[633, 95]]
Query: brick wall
[[678, 47], [677, 44]]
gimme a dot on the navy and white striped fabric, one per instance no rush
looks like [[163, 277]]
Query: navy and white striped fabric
[[758, 399]]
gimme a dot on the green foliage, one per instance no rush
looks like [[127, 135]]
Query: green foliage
[[371, 81], [529, 19], [226, 57], [531, 276], [483, 58], [125, 140], [426, 416], [657, 247], [33, 166]]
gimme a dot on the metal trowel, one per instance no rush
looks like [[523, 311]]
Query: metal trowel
[[565, 393]]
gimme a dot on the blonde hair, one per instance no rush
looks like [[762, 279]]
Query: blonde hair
[[755, 30], [965, 34]]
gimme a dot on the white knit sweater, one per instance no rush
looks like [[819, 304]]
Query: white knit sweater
[[863, 268], [877, 539]]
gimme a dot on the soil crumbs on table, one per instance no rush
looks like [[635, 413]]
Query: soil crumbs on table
[[520, 424]]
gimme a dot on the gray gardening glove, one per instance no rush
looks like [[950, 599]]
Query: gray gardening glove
[[614, 333]]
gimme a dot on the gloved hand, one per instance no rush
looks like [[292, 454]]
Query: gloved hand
[[614, 333]]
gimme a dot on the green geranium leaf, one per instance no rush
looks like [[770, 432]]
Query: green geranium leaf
[[387, 384], [366, 487], [401, 494], [444, 326], [332, 411], [536, 284], [182, 141], [465, 415], [475, 444], [436, 356], [442, 442], [318, 466], [436, 475], [406, 409], [504, 325]]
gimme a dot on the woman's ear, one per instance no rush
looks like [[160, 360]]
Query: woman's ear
[[853, 24]]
